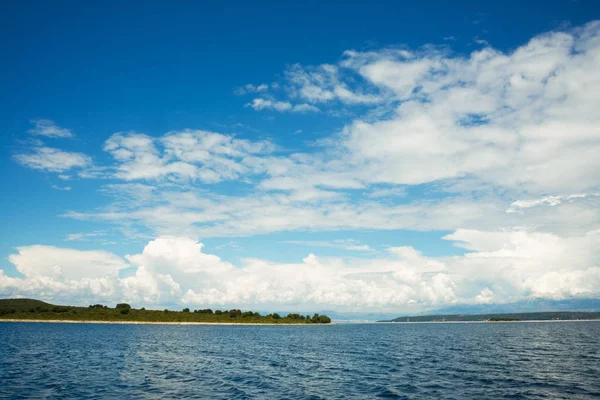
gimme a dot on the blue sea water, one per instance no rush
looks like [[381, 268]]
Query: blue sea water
[[404, 361]]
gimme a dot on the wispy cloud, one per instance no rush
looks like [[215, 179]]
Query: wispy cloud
[[48, 128], [260, 104], [52, 160], [344, 244]]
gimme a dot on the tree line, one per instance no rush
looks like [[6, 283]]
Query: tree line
[[124, 308]]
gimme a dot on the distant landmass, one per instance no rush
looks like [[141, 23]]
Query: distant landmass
[[30, 309], [536, 305], [533, 316]]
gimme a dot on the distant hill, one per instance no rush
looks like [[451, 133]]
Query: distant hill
[[23, 304], [534, 316], [536, 305]]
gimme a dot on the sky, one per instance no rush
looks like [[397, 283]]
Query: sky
[[367, 156]]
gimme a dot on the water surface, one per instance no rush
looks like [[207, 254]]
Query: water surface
[[404, 361]]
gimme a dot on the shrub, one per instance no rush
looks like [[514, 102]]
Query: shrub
[[218, 312], [276, 316], [123, 305], [124, 311], [235, 313], [247, 314], [142, 309], [324, 319], [185, 310], [97, 306]]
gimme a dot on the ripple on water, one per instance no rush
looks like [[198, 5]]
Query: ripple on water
[[403, 361]]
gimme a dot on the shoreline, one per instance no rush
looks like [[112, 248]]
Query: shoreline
[[67, 321], [487, 322]]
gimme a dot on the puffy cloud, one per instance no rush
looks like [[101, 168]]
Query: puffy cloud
[[68, 264], [52, 160], [500, 267], [48, 128]]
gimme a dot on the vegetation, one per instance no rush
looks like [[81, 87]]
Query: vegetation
[[28, 309], [503, 320], [532, 316]]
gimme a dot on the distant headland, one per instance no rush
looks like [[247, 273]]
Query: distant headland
[[36, 310], [505, 317]]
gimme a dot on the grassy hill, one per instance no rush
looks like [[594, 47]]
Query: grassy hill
[[28, 309], [22, 304], [533, 316]]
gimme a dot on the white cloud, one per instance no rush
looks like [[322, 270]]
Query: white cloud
[[260, 104], [250, 88], [65, 264], [301, 108], [48, 128], [522, 121], [52, 160], [188, 154], [501, 267], [263, 104], [552, 201], [67, 188], [83, 236]]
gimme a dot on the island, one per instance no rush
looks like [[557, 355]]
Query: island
[[507, 317], [16, 310]]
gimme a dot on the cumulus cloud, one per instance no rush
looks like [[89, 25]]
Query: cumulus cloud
[[501, 266], [48, 128]]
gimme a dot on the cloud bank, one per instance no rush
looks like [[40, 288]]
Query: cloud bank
[[500, 267]]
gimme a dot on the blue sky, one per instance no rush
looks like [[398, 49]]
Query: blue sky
[[392, 147]]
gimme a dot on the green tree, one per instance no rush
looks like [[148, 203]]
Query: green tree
[[185, 310], [276, 316], [123, 305]]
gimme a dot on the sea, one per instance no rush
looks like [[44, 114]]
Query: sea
[[533, 360]]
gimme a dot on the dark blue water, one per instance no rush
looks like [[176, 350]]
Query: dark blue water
[[407, 361]]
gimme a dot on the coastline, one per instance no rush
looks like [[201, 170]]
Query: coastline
[[67, 321], [487, 322]]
